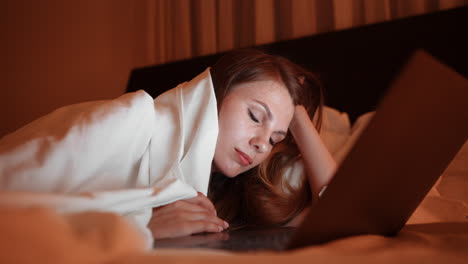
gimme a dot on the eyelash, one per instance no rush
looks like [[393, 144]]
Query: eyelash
[[272, 142], [252, 116]]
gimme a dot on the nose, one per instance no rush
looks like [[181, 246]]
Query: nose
[[260, 145]]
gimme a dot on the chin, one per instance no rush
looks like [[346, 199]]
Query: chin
[[237, 172], [228, 167], [229, 174]]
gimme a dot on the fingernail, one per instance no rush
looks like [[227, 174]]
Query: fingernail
[[220, 228], [226, 225]]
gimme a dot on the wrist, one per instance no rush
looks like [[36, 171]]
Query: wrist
[[300, 117]]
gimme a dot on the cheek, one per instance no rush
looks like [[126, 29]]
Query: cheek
[[233, 133], [261, 158], [233, 128]]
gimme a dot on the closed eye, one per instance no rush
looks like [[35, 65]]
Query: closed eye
[[272, 142], [253, 117]]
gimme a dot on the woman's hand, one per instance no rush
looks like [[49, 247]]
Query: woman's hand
[[185, 217], [300, 116]]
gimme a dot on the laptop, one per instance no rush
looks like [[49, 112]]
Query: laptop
[[416, 131]]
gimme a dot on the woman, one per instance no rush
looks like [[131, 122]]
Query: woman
[[259, 97], [132, 154]]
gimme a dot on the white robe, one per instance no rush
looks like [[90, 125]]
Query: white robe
[[125, 155]]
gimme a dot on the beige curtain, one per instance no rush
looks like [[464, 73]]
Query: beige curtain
[[179, 29], [65, 52]]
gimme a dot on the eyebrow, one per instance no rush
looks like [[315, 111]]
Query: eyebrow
[[270, 115]]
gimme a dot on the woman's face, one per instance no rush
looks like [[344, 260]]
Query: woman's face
[[252, 118]]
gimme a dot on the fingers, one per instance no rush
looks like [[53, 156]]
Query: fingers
[[186, 217], [203, 201], [167, 222], [201, 226], [185, 229], [184, 205], [185, 211], [200, 216]]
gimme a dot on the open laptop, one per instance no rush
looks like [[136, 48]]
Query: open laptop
[[418, 128]]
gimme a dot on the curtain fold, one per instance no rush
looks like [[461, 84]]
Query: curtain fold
[[181, 29]]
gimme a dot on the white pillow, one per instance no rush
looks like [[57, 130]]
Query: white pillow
[[335, 129], [355, 132]]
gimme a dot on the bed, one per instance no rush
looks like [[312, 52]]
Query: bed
[[356, 67]]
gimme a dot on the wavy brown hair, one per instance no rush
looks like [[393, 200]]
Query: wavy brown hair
[[261, 196]]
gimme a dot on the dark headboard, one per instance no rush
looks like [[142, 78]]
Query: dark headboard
[[355, 65]]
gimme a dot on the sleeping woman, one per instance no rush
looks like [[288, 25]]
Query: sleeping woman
[[235, 146]]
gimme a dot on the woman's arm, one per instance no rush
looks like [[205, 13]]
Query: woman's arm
[[319, 165]]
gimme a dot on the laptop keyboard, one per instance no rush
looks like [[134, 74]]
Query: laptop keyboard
[[275, 239], [237, 240]]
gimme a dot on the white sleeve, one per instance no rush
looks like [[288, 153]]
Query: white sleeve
[[83, 147]]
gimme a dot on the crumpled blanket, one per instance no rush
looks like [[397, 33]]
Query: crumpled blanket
[[125, 155]]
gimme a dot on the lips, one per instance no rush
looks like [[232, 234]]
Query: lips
[[244, 158]]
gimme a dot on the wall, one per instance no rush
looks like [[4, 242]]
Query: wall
[[56, 53]]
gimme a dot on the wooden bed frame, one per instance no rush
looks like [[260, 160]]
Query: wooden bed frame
[[355, 65]]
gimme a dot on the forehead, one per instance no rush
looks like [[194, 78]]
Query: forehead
[[265, 90]]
